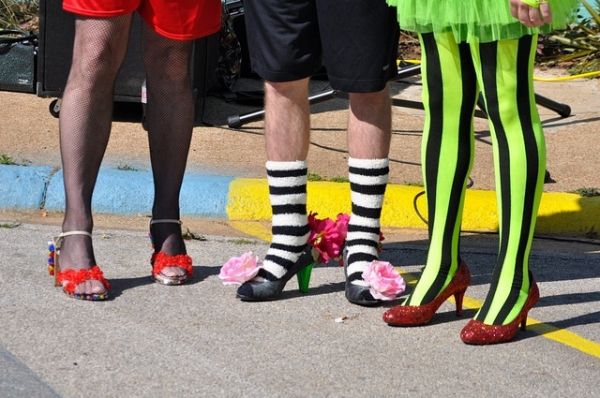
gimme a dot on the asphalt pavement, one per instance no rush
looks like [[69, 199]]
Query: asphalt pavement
[[199, 340]]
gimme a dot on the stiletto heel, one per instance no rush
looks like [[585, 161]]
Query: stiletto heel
[[70, 278], [415, 315], [458, 297], [160, 260], [264, 289], [477, 332], [303, 277]]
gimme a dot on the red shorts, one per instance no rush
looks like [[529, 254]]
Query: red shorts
[[174, 19]]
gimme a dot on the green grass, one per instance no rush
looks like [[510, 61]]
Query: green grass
[[126, 167], [6, 160], [242, 241], [190, 235], [588, 192], [10, 225], [18, 14], [413, 184], [317, 177], [9, 161]]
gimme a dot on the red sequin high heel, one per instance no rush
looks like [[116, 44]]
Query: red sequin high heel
[[161, 260], [416, 315], [476, 332]]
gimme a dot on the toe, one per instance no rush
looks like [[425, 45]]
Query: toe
[[173, 272]]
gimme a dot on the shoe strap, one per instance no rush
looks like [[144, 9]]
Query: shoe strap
[[69, 233], [58, 240], [166, 221]]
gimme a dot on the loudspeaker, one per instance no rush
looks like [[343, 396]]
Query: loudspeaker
[[56, 35], [17, 61]]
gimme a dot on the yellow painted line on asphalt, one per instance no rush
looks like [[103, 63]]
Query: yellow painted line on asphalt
[[545, 330], [406, 207]]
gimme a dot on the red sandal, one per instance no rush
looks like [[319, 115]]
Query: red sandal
[[161, 260], [70, 278]]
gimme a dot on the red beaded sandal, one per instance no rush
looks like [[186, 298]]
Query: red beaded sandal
[[161, 260], [70, 278]]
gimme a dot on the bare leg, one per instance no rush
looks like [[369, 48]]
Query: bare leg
[[369, 125], [287, 120], [170, 118], [85, 121]]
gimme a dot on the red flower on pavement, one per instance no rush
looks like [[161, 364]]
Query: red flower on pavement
[[327, 237]]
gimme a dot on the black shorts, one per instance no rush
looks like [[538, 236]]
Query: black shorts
[[356, 41]]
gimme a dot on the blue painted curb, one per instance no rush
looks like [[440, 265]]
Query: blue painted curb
[[132, 192], [23, 187]]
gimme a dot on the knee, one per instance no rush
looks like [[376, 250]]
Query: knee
[[287, 89], [370, 100], [97, 62], [169, 64], [295, 91]]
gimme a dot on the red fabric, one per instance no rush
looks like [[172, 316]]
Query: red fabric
[[162, 260], [75, 277], [177, 20]]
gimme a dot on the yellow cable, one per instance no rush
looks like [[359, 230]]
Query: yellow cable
[[536, 78], [565, 78]]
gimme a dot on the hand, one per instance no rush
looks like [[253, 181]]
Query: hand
[[529, 15]]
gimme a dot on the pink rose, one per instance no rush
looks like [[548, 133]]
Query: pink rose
[[238, 270], [325, 238], [384, 280]]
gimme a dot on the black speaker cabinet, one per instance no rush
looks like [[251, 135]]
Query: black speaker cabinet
[[57, 30]]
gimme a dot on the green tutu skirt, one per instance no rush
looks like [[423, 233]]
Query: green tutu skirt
[[475, 20]]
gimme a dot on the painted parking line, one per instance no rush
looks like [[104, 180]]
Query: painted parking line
[[548, 331]]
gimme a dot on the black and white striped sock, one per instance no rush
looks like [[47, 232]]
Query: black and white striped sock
[[368, 180], [287, 192]]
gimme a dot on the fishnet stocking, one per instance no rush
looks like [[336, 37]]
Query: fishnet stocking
[[170, 118], [85, 120]]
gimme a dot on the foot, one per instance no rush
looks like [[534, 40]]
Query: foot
[[421, 314], [267, 286], [357, 291], [167, 237], [77, 253], [478, 333]]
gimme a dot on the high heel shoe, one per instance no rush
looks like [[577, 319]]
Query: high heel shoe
[[357, 294], [416, 315], [476, 332], [161, 260], [264, 289], [70, 278]]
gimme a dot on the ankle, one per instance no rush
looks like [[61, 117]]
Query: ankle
[[167, 238], [77, 224]]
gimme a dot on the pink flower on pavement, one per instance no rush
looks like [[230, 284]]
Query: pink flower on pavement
[[238, 270], [325, 238], [384, 280]]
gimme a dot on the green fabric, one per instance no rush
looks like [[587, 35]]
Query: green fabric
[[453, 75], [475, 20], [444, 143]]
